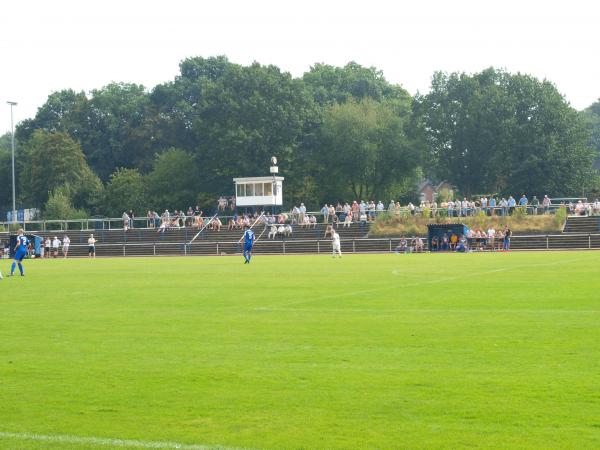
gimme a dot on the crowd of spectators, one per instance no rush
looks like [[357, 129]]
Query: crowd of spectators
[[489, 206], [344, 214]]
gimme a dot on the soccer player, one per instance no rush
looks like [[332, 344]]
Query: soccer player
[[248, 243], [20, 253], [335, 243]]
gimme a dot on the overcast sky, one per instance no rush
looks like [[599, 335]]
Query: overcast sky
[[85, 44]]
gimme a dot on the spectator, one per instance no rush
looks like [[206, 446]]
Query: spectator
[[546, 204], [355, 209], [221, 204], [402, 246], [302, 211], [66, 244], [434, 244], [125, 218], [150, 218], [335, 222], [55, 247], [507, 236], [371, 208], [450, 208], [131, 218], [418, 244], [492, 203], [512, 203], [596, 207], [47, 245], [462, 245], [325, 212], [491, 234], [535, 203], [523, 202], [348, 220]]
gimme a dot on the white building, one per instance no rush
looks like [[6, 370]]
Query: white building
[[259, 191]]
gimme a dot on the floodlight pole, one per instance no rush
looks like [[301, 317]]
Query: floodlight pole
[[12, 136]]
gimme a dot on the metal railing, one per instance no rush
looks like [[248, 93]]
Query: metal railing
[[574, 241]]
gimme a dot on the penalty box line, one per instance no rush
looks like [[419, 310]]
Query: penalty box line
[[109, 442]]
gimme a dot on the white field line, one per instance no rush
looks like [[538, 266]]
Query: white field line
[[108, 442], [396, 272]]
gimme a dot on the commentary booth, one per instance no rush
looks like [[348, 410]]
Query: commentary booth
[[440, 229], [258, 191], [263, 192]]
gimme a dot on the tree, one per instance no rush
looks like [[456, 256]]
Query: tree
[[330, 84], [51, 160], [498, 132], [174, 180], [65, 111], [59, 206], [592, 117], [5, 172], [365, 150], [232, 118], [124, 191], [119, 130]]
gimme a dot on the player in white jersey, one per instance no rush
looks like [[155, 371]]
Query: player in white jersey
[[335, 243]]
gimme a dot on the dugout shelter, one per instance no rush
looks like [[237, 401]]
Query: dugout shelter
[[36, 244], [440, 229]]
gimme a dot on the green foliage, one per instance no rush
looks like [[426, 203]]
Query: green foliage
[[519, 213], [560, 216], [365, 150], [59, 206], [5, 172], [330, 84], [174, 182], [499, 132], [52, 160], [339, 133], [125, 190]]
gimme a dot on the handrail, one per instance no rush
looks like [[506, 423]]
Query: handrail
[[303, 241], [202, 229]]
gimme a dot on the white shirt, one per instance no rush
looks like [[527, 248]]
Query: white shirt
[[56, 243], [335, 238], [66, 241], [91, 241]]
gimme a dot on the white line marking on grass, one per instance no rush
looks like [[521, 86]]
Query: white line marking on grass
[[109, 442], [413, 284]]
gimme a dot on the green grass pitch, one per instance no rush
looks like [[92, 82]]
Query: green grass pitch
[[303, 352]]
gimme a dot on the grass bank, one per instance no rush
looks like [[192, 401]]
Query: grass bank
[[392, 225]]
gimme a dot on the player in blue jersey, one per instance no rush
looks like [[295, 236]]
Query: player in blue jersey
[[20, 253], [248, 243]]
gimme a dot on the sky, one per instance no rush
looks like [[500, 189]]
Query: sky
[[47, 46]]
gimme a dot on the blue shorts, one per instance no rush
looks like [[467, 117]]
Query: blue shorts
[[20, 255], [248, 248]]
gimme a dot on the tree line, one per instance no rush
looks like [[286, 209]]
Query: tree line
[[340, 133]]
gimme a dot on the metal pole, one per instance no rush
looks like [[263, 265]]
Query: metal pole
[[12, 138]]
